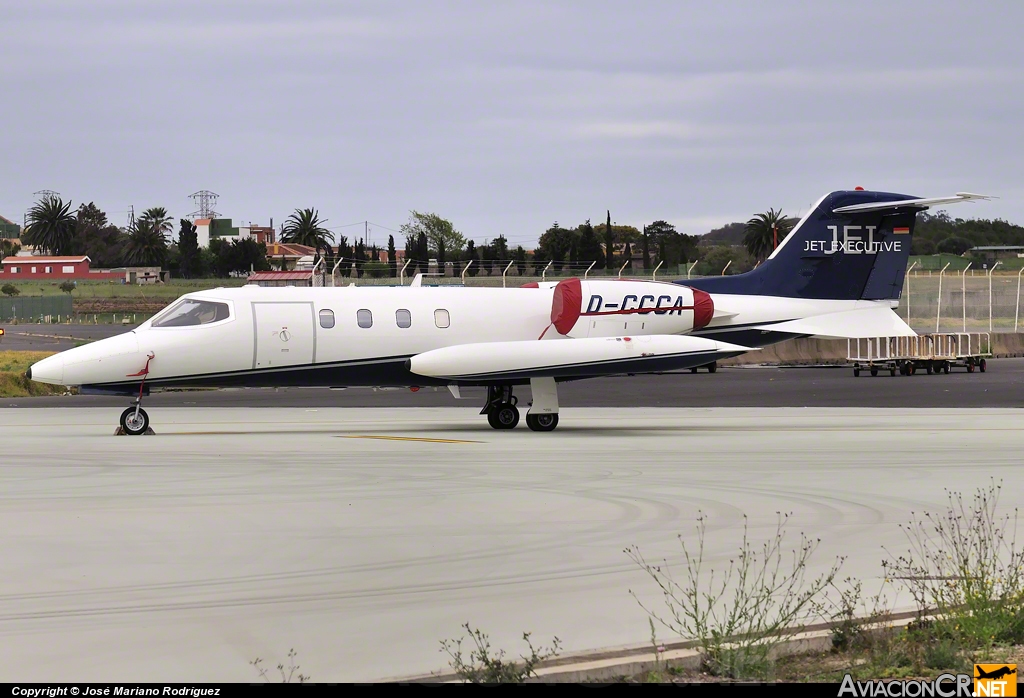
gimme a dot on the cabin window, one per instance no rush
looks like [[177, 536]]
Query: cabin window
[[48, 270], [327, 319], [364, 318], [441, 318], [67, 270], [191, 312], [33, 270], [403, 318]]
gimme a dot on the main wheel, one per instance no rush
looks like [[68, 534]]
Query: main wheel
[[982, 365], [542, 422], [504, 416], [693, 370], [712, 367], [134, 424]]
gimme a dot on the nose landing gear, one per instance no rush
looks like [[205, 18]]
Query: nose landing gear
[[134, 420]]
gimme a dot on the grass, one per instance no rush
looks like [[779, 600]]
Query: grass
[[107, 289], [12, 375]]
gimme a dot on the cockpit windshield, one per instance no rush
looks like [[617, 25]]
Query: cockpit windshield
[[191, 312]]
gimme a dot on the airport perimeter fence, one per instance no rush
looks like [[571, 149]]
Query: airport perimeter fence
[[36, 309], [966, 303]]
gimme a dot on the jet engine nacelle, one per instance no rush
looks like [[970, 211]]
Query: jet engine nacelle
[[614, 307]]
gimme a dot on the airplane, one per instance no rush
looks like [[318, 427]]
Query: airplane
[[839, 274], [995, 674]]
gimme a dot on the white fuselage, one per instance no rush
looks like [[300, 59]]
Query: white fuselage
[[344, 336]]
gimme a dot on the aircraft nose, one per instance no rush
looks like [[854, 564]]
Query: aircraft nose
[[49, 370]]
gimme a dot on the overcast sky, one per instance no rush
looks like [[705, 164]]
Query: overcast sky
[[505, 117]]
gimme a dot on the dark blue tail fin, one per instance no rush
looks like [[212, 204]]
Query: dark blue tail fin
[[829, 255]]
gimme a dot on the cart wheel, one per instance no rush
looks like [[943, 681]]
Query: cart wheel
[[945, 367], [928, 368], [970, 366], [856, 372], [911, 368], [874, 371], [892, 370], [982, 365]]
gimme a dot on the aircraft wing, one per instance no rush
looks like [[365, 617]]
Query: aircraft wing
[[570, 358], [878, 321]]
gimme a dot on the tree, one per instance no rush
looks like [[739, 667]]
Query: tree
[[646, 250], [188, 249], [360, 257], [67, 287], [9, 248], [392, 257], [609, 243], [764, 232], [9, 290], [304, 227], [589, 246], [556, 243], [423, 252], [146, 246], [158, 220], [51, 226], [500, 246], [627, 256], [246, 255], [95, 238], [519, 255], [435, 229], [954, 245], [470, 256], [673, 247], [346, 253]]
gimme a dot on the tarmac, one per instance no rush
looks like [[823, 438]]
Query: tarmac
[[1002, 385], [363, 537]]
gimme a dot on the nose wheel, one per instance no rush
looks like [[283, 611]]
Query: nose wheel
[[134, 421]]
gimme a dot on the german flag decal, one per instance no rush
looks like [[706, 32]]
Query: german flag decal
[[901, 231]]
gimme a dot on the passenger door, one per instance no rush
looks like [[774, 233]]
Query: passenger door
[[285, 334]]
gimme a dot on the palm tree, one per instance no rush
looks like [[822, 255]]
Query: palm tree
[[764, 233], [157, 219], [304, 227], [51, 226], [146, 245]]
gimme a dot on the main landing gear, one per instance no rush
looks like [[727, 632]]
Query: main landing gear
[[502, 412]]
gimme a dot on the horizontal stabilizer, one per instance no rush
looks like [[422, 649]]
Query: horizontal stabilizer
[[570, 358], [879, 321], [911, 203]]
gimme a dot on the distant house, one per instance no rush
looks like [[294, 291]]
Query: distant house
[[29, 268], [208, 229], [300, 257], [990, 253], [41, 268], [281, 278]]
